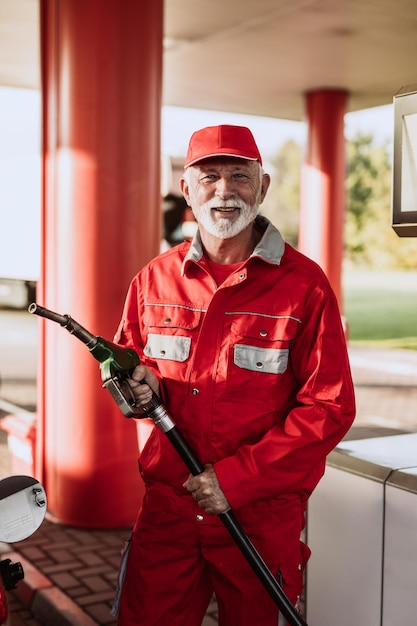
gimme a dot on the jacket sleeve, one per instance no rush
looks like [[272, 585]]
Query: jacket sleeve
[[128, 333], [290, 458]]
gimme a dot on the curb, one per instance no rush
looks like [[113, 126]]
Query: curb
[[46, 602]]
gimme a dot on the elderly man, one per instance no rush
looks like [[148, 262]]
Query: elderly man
[[241, 335]]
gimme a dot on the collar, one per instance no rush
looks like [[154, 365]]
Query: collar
[[270, 247]]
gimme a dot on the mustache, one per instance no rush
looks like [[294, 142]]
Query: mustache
[[232, 203]]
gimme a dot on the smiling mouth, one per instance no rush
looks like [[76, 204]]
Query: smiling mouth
[[226, 209]]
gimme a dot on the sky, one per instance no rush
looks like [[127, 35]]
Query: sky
[[270, 134], [20, 161], [20, 125]]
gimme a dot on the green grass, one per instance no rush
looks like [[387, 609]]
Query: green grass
[[381, 309]]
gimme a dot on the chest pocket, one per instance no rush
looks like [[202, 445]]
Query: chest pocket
[[170, 329], [268, 360], [263, 342], [172, 348]]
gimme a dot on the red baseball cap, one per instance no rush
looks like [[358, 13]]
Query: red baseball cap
[[225, 140]]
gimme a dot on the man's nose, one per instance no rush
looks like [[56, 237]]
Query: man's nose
[[225, 187]]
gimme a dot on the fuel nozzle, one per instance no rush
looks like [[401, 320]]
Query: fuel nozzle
[[122, 359], [116, 364]]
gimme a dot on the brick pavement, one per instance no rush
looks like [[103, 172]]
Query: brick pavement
[[70, 573]]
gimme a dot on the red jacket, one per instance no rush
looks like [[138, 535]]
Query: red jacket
[[255, 373]]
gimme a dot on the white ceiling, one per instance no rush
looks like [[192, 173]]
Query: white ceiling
[[256, 56]]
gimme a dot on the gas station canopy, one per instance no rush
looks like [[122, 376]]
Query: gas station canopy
[[256, 57]]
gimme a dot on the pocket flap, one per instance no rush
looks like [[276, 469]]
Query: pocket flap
[[171, 316], [266, 327]]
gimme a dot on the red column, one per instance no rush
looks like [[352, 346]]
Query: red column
[[101, 87], [323, 184]]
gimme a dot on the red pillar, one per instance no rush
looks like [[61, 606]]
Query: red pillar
[[323, 184], [101, 87]]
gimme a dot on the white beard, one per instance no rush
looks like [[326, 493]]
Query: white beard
[[224, 227]]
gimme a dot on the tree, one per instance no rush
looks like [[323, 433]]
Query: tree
[[281, 204], [369, 238], [370, 241]]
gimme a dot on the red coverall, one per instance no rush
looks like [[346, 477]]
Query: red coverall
[[255, 374]]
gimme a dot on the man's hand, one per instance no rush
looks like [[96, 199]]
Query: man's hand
[[143, 392], [207, 492]]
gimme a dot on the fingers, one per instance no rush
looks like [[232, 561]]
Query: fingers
[[141, 372], [206, 479], [212, 503], [207, 492], [143, 382]]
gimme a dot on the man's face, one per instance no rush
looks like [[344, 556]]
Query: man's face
[[225, 194]]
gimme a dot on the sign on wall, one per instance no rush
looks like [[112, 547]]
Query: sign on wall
[[404, 195]]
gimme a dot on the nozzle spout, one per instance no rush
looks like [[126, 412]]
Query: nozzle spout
[[41, 311], [67, 322]]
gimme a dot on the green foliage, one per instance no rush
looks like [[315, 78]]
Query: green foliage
[[370, 241], [369, 238], [282, 202], [382, 309]]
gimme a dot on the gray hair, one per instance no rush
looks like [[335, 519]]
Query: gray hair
[[187, 173]]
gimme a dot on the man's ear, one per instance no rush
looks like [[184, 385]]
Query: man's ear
[[266, 181], [184, 190]]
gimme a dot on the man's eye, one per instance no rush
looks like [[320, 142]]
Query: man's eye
[[208, 178]]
